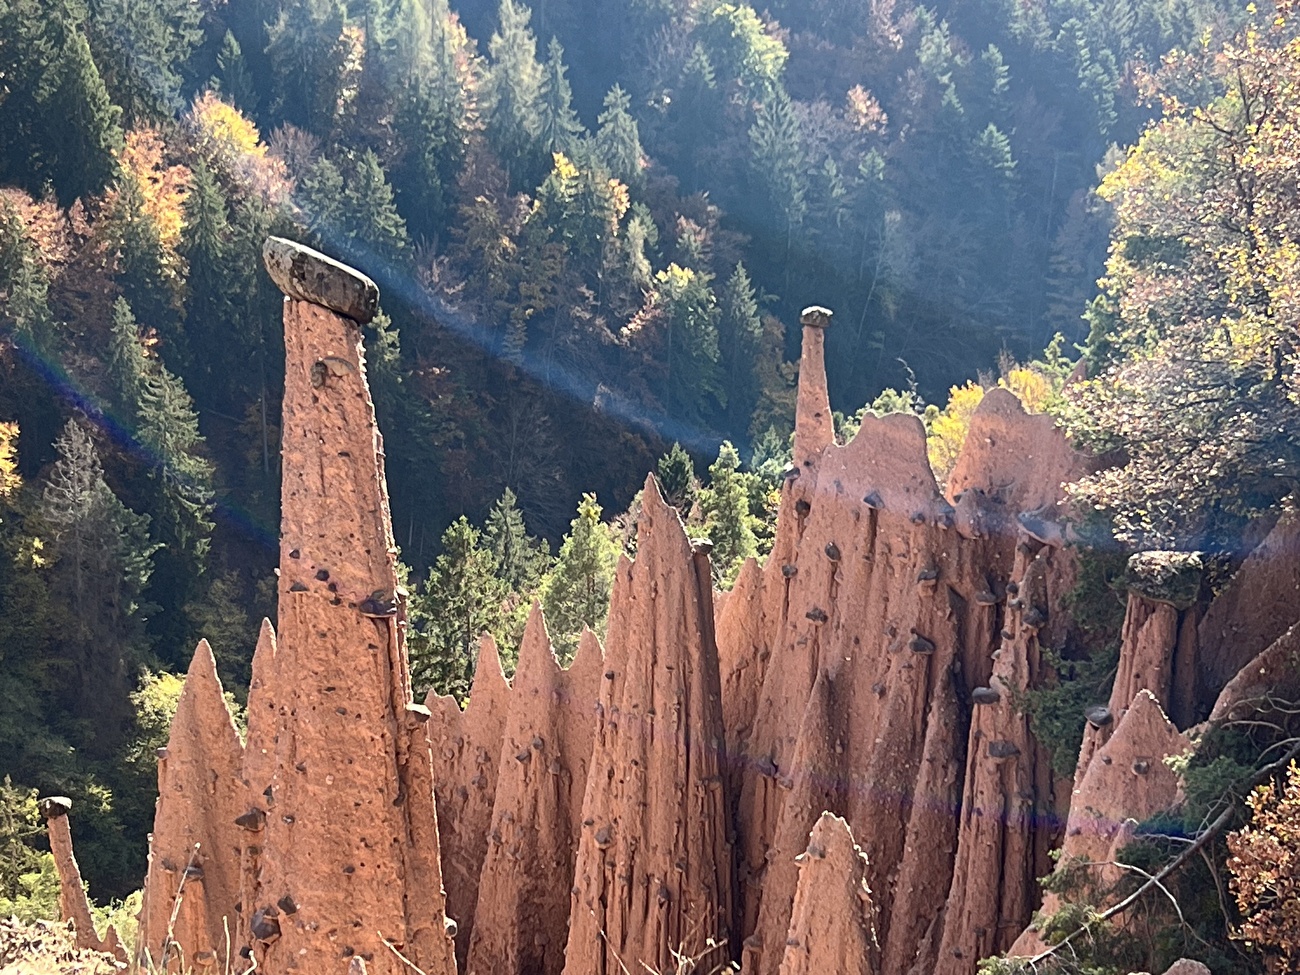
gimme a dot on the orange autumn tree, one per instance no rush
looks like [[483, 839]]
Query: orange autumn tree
[[1265, 868]]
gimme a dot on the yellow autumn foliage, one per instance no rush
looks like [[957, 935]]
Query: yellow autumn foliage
[[222, 128], [163, 188], [947, 432], [948, 429], [9, 479]]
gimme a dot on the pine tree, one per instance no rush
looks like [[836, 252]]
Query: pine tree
[[461, 599], [102, 563], [57, 124], [521, 560], [618, 140], [235, 81], [142, 48], [576, 591], [677, 481], [728, 522], [559, 129], [740, 333], [513, 90]]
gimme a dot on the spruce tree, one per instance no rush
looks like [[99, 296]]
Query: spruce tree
[[560, 128], [618, 140], [143, 49], [351, 210], [727, 520], [25, 284], [433, 112], [690, 314], [126, 362], [232, 73], [217, 336], [306, 51], [102, 562], [521, 559], [57, 124], [513, 90], [779, 164], [740, 334], [576, 591], [461, 599]]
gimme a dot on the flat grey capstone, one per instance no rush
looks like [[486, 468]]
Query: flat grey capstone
[[309, 275]]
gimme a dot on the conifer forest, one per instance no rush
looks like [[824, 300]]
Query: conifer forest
[[594, 224]]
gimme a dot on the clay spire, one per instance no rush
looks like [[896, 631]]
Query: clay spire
[[74, 906], [466, 747], [814, 428], [194, 849], [654, 868], [831, 928], [350, 861], [524, 899]]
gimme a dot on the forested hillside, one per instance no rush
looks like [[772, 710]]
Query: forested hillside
[[592, 224]]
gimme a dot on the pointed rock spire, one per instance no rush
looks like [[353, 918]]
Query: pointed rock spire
[[831, 927], [1127, 781], [654, 867], [524, 896], [194, 851], [466, 747]]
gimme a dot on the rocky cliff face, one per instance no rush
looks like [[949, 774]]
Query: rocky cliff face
[[825, 771]]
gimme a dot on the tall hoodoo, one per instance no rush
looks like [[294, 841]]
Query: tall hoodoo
[[74, 906], [194, 850], [654, 866], [814, 428], [349, 853]]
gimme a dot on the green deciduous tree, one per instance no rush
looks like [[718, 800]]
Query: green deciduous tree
[[1193, 347]]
